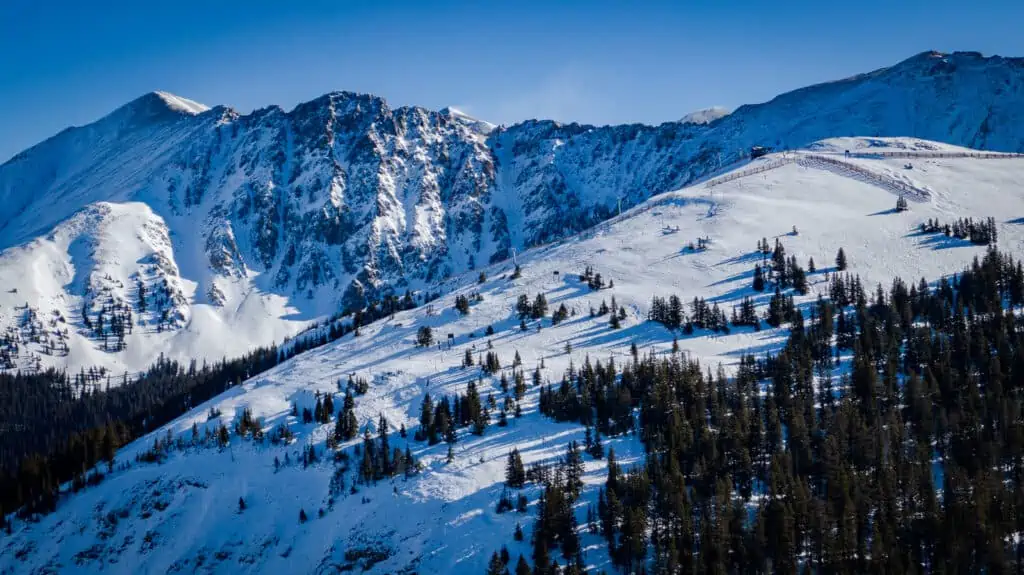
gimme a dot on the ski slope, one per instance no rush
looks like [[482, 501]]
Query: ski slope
[[182, 515]]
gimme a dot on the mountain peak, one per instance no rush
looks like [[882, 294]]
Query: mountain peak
[[154, 106], [925, 56], [929, 57], [457, 114], [705, 116], [178, 103]]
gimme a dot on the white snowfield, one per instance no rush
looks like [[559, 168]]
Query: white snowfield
[[182, 515], [182, 104], [705, 116], [98, 257]]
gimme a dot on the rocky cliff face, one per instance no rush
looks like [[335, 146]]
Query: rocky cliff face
[[344, 198]]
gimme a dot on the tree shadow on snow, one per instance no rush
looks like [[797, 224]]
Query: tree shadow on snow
[[749, 257], [737, 294], [884, 212], [733, 278], [942, 242]]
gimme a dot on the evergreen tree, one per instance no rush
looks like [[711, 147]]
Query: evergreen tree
[[495, 566], [841, 260], [328, 408], [597, 448], [515, 473], [425, 336], [540, 307], [346, 427], [522, 567], [614, 322], [427, 428], [758, 278], [462, 304], [523, 307]]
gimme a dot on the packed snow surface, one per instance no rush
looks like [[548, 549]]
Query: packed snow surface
[[183, 515]]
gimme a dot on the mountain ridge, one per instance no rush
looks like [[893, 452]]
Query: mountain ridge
[[344, 200]]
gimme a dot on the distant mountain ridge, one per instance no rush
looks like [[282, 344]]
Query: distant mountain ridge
[[343, 199]]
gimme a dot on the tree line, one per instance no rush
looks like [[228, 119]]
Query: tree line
[[54, 428]]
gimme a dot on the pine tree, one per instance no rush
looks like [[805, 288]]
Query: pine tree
[[523, 307], [841, 260], [573, 470], [328, 408], [427, 428], [540, 307], [597, 449], [495, 566], [515, 473], [522, 567], [385, 465], [318, 410], [758, 278], [614, 322], [425, 336], [462, 304], [346, 427], [222, 436], [799, 278]]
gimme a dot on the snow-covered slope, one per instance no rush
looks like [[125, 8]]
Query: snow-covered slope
[[705, 116], [182, 515], [275, 218], [114, 263]]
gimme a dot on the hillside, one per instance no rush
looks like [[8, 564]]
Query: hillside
[[183, 513], [256, 224]]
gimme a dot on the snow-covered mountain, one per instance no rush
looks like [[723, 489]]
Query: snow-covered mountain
[[242, 228], [705, 116], [183, 515]]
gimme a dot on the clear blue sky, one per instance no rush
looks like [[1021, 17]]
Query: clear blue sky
[[596, 62]]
